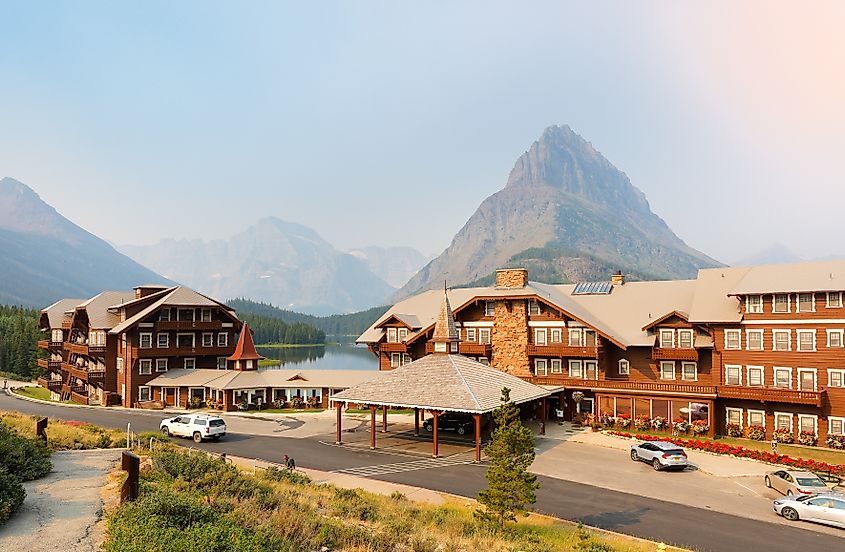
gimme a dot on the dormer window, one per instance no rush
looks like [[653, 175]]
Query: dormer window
[[402, 334], [489, 308], [754, 304], [667, 339], [392, 335], [205, 315], [470, 334], [164, 315], [780, 303], [806, 302], [685, 339], [624, 367], [533, 308]]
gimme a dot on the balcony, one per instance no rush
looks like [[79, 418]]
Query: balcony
[[625, 385], [557, 350], [659, 353], [155, 352], [43, 343], [471, 349], [48, 364], [771, 394], [395, 347], [79, 398], [54, 385], [67, 324], [76, 371], [97, 373], [77, 348], [187, 325]]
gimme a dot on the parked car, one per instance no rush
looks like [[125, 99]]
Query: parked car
[[794, 482], [196, 426], [452, 421], [660, 454], [826, 508]]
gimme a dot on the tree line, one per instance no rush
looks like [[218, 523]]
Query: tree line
[[19, 335], [336, 324], [273, 330]]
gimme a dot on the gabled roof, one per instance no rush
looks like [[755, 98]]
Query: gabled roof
[[452, 383], [59, 311], [245, 349], [97, 308], [179, 296], [410, 321], [254, 379], [659, 320]]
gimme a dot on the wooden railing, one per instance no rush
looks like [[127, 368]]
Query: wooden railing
[[75, 371], [49, 383], [42, 362], [97, 372], [77, 348], [78, 398], [625, 385], [658, 353], [186, 325], [394, 347], [155, 352], [67, 324], [48, 364], [43, 343], [556, 350], [771, 394], [473, 349]]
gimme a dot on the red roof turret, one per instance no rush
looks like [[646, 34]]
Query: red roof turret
[[245, 349]]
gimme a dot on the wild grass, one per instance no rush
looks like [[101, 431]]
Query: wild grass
[[34, 392], [195, 502], [65, 435]]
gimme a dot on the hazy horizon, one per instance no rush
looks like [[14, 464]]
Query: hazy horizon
[[356, 118]]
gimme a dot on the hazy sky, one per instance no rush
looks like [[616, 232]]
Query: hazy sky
[[388, 122]]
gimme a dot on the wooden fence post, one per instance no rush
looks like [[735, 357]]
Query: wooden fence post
[[41, 429], [131, 463]]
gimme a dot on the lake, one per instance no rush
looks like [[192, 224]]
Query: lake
[[329, 357]]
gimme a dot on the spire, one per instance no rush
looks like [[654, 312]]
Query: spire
[[445, 331], [245, 351]]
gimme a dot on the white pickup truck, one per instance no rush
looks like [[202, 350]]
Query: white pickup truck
[[196, 426]]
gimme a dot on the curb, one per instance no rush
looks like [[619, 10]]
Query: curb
[[10, 393]]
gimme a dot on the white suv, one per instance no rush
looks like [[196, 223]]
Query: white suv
[[196, 426]]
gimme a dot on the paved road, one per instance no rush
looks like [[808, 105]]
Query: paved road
[[626, 513]]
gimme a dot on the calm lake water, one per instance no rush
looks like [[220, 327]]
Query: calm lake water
[[330, 357]]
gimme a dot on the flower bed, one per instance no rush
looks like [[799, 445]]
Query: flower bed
[[808, 438], [733, 430], [742, 452], [756, 432], [836, 441]]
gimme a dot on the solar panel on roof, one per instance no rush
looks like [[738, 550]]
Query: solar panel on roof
[[592, 288]]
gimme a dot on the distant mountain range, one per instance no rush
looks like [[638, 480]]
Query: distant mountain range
[[394, 265], [567, 214], [44, 256], [281, 263]]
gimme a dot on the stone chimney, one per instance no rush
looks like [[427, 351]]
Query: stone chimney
[[618, 279], [511, 278]]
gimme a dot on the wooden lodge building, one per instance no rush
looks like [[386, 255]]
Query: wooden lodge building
[[746, 346], [163, 346]]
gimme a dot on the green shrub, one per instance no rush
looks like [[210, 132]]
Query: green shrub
[[189, 467], [26, 459], [11, 494], [277, 474]]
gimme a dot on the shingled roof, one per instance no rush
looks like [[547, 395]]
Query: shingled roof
[[452, 383], [245, 349], [445, 330]]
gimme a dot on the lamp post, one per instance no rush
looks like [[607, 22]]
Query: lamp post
[[577, 396]]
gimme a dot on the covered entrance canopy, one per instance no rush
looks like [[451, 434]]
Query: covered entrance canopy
[[439, 383]]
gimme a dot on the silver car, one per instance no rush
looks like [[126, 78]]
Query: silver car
[[660, 454], [826, 508], [794, 482]]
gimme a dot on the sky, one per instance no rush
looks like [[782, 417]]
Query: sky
[[387, 123]]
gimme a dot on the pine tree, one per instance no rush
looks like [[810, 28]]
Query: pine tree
[[510, 488]]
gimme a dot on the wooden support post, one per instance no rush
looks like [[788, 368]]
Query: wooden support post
[[131, 464], [373, 426], [339, 407], [436, 414], [384, 419], [41, 429], [478, 437], [416, 422], [543, 416]]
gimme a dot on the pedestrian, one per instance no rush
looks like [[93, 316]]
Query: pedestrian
[[4, 384], [286, 460], [290, 463]]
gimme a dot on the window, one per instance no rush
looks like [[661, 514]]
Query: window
[[164, 315], [540, 367], [556, 366], [834, 339], [144, 393], [667, 339], [783, 420], [489, 308], [733, 375], [591, 369], [836, 426], [391, 335], [221, 363], [808, 423], [556, 335], [575, 337], [754, 340], [205, 315], [402, 334], [783, 377], [484, 336], [146, 340], [732, 340], [207, 340], [533, 308], [145, 366], [624, 367], [191, 363], [754, 304], [667, 370], [395, 360], [755, 375], [161, 365], [575, 370], [733, 416], [119, 364], [806, 379], [835, 378], [484, 360], [780, 303], [834, 300], [471, 334], [540, 336], [806, 340], [163, 340], [685, 339], [782, 340], [186, 315], [590, 338], [757, 418], [806, 302], [185, 340], [453, 347], [223, 339], [689, 371]]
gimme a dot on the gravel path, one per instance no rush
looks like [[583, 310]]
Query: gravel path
[[61, 510]]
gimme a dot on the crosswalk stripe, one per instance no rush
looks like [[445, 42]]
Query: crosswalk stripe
[[414, 465]]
